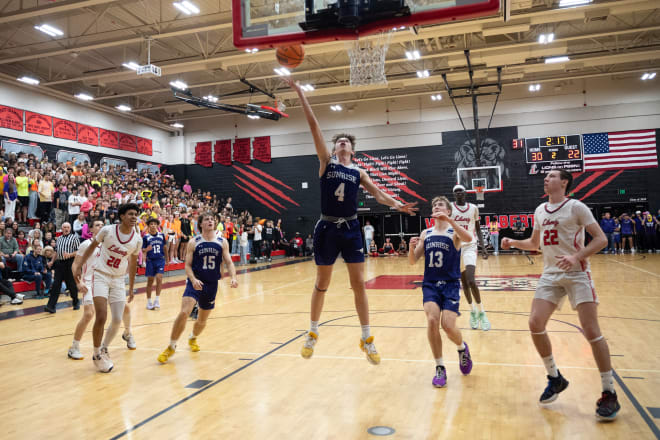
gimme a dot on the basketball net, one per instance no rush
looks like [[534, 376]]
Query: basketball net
[[367, 59], [480, 193]]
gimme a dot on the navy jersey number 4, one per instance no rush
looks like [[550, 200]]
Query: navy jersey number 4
[[207, 259], [339, 189]]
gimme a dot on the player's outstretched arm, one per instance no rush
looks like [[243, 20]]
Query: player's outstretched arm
[[462, 233], [197, 284], [321, 148], [530, 244], [132, 269], [416, 248], [226, 256], [384, 199]]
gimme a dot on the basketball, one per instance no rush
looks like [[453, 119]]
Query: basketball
[[290, 56]]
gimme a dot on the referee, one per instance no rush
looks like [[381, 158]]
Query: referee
[[66, 246]]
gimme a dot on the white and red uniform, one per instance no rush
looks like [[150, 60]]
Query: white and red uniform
[[466, 216], [88, 270], [562, 233], [116, 250]]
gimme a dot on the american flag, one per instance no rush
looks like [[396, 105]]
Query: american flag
[[620, 150]]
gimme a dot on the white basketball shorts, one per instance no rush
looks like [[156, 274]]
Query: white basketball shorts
[[111, 288], [555, 287], [469, 254]]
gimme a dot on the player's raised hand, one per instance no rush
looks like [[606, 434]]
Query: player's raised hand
[[295, 85], [441, 217], [414, 242], [506, 243], [408, 208]]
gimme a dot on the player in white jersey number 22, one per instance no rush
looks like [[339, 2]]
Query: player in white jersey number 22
[[559, 226]]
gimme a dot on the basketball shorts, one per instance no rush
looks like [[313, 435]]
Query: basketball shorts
[[171, 238], [205, 297], [154, 267], [446, 294], [111, 288], [469, 254], [616, 238], [330, 241], [577, 286]]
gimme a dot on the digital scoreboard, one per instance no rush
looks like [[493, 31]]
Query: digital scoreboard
[[555, 152]]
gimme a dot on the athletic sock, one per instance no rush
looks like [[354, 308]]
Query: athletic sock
[[97, 351], [481, 307], [365, 332], [173, 344], [550, 366], [607, 380], [192, 335], [314, 327], [473, 306], [439, 362], [461, 347], [75, 344]]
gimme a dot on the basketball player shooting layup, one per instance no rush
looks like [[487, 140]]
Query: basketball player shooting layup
[[120, 246], [559, 226], [204, 257], [338, 230], [467, 215], [441, 247]]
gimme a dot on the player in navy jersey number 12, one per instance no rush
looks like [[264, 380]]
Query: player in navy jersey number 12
[[441, 248], [338, 230], [204, 257], [154, 246]]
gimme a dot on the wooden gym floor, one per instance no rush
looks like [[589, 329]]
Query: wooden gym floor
[[252, 383]]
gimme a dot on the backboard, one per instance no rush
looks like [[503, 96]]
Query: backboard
[[270, 23], [490, 178]]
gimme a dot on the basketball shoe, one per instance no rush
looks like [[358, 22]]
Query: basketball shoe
[[75, 354], [474, 319], [157, 303], [194, 346], [130, 341], [308, 347], [102, 361], [555, 386], [484, 323], [607, 407], [150, 306], [465, 360], [440, 378], [166, 354], [367, 345]]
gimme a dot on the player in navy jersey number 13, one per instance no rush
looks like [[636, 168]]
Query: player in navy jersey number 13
[[559, 226], [204, 257], [338, 230], [441, 248], [154, 246]]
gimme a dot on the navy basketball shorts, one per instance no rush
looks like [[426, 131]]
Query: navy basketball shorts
[[205, 297], [446, 294], [154, 267], [330, 241]]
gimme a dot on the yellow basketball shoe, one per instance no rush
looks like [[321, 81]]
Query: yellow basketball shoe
[[194, 347], [370, 349], [165, 355], [308, 347]]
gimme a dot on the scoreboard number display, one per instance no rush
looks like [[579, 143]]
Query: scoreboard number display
[[555, 152]]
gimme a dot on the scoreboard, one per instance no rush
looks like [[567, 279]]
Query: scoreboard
[[553, 152]]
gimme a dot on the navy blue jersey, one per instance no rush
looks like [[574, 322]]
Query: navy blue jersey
[[339, 189], [626, 226], [442, 259], [157, 243], [207, 259]]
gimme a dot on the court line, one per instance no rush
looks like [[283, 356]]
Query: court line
[[642, 412], [637, 268]]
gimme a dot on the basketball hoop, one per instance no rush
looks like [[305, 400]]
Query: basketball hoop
[[480, 193], [367, 57]]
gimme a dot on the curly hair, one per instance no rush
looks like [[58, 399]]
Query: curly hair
[[338, 136]]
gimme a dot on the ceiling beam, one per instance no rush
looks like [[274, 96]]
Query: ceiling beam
[[53, 8]]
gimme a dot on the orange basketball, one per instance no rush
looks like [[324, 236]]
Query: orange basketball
[[290, 56]]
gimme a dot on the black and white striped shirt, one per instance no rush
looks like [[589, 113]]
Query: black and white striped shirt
[[66, 244]]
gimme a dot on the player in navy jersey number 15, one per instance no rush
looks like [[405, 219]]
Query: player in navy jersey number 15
[[338, 230], [441, 248], [204, 257], [154, 246]]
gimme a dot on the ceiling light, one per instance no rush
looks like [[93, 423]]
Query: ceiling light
[[307, 87], [546, 38], [177, 125], [253, 50], [423, 74], [210, 98], [413, 54], [552, 60], [123, 108], [336, 108], [131, 65], [648, 76], [282, 71], [178, 84], [84, 96], [534, 87], [570, 3], [254, 116], [437, 97], [50, 30], [28, 80], [186, 7]]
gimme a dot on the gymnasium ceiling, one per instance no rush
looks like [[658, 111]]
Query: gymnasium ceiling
[[619, 39]]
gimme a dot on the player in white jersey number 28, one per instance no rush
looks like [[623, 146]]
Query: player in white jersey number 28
[[559, 226]]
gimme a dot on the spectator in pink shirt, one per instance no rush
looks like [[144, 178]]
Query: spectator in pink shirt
[[187, 188]]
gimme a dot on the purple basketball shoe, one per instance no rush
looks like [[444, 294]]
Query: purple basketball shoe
[[440, 378], [464, 360]]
